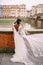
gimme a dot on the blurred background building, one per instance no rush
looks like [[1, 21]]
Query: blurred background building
[[35, 16], [20, 11], [13, 10], [36, 11]]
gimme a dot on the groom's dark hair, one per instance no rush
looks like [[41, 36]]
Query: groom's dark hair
[[18, 21]]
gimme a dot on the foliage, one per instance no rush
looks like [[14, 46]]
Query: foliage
[[6, 21]]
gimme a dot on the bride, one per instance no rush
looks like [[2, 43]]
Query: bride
[[27, 48]]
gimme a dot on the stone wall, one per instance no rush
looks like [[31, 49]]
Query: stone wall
[[6, 40]]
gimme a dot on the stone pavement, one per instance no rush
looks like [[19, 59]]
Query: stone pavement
[[5, 59]]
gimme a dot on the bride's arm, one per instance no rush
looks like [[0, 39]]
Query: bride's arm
[[12, 27], [21, 31]]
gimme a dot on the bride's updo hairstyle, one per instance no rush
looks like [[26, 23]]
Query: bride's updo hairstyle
[[18, 21], [17, 24]]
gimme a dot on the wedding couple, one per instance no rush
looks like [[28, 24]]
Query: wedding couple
[[28, 49]]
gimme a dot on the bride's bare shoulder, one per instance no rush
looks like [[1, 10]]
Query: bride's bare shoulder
[[21, 25]]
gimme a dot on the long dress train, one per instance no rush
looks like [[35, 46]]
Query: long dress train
[[24, 54]]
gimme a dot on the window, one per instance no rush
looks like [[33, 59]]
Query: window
[[39, 10]]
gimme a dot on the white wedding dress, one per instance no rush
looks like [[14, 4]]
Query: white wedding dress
[[32, 55]]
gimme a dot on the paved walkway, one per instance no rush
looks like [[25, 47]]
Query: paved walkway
[[5, 59]]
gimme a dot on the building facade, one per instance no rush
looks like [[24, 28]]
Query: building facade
[[13, 10], [37, 10], [37, 15]]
